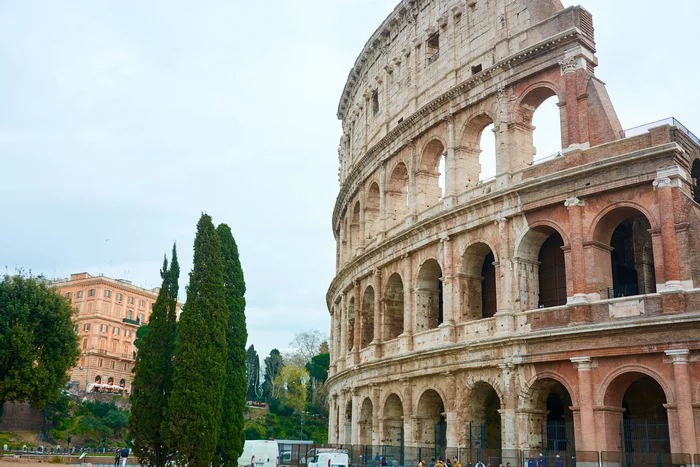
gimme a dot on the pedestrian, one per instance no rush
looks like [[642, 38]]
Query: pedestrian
[[422, 463], [558, 462], [455, 462], [432, 462], [117, 456], [376, 458], [384, 462], [479, 464], [125, 455]]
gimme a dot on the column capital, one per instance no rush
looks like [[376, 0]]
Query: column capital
[[663, 182], [571, 202], [582, 363], [678, 356]]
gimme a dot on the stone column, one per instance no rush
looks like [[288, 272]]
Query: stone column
[[382, 203], [333, 338], [585, 402], [408, 309], [684, 399], [450, 163], [378, 313], [342, 244], [355, 439], [409, 438], [412, 183], [451, 405], [342, 351], [332, 420], [448, 291], [664, 196], [508, 412], [363, 204], [575, 208], [357, 328], [376, 420]]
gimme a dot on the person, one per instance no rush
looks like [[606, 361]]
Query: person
[[421, 463], [439, 462], [455, 462], [376, 458], [448, 462], [558, 462], [117, 456], [480, 464], [432, 462], [384, 462], [125, 455]]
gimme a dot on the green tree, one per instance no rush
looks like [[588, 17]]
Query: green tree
[[318, 367], [200, 359], [38, 344], [232, 437], [290, 387], [153, 372], [273, 364], [252, 369]]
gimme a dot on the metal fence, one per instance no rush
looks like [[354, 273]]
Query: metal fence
[[639, 130]]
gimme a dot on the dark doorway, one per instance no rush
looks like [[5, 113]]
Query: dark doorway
[[488, 286], [632, 258], [552, 272]]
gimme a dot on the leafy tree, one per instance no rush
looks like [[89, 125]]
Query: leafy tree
[[252, 369], [37, 342], [273, 364], [200, 359], [141, 332], [318, 367], [153, 371], [232, 436], [290, 387], [307, 344]]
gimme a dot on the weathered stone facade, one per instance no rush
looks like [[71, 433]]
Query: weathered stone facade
[[552, 307]]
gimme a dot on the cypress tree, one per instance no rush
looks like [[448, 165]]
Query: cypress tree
[[252, 369], [153, 371], [273, 365], [200, 358], [232, 437]]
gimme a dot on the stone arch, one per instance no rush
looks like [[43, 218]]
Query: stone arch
[[623, 252], [478, 282], [429, 296], [482, 414], [603, 388], [548, 400], [397, 194], [350, 334], [428, 191], [695, 175], [430, 419], [367, 318], [392, 420], [541, 266], [393, 303], [365, 422], [354, 236], [468, 156], [372, 214]]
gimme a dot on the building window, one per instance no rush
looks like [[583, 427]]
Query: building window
[[85, 342], [116, 331], [119, 297], [432, 49], [108, 293], [87, 327], [140, 320], [104, 328], [142, 303], [99, 362], [375, 102], [82, 361], [114, 346], [80, 294], [111, 365], [89, 309], [91, 293], [131, 300], [128, 333], [151, 306], [69, 295], [129, 314]]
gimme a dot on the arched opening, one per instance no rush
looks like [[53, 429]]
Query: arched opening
[[695, 174], [429, 296], [428, 191], [393, 307], [546, 136], [484, 419], [372, 211], [431, 424], [631, 255], [337, 424], [347, 425], [552, 272], [475, 158], [392, 421], [478, 283], [350, 335], [552, 421], [523, 135], [355, 228], [367, 318], [644, 420], [397, 195], [365, 422]]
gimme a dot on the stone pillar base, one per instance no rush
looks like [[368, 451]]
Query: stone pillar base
[[448, 332], [579, 314], [377, 349], [405, 342], [673, 301], [505, 322]]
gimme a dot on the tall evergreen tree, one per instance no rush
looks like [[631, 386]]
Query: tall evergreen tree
[[200, 358], [153, 373], [273, 365], [232, 437], [252, 369]]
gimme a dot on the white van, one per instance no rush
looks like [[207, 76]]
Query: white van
[[330, 458], [260, 453]]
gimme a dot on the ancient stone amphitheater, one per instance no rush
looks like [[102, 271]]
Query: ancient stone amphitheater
[[551, 309]]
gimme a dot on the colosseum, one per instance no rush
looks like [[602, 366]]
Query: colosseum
[[545, 316]]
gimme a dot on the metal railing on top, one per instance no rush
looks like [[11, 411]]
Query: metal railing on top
[[639, 130]]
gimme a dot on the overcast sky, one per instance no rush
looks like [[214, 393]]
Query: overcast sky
[[121, 121]]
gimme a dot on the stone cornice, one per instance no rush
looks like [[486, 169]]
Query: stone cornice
[[401, 131]]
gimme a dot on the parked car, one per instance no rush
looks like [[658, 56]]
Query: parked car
[[260, 453]]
